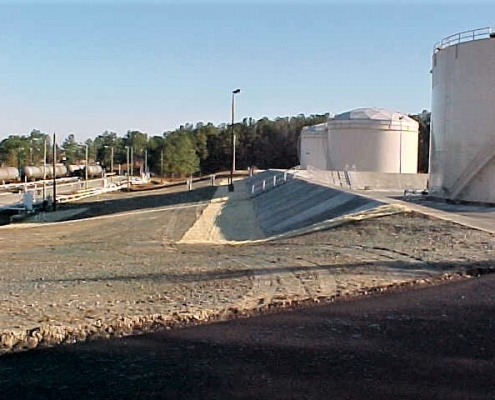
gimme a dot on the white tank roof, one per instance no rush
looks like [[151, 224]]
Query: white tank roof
[[319, 129], [373, 114]]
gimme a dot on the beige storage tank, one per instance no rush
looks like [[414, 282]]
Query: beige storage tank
[[313, 149], [462, 147], [373, 139]]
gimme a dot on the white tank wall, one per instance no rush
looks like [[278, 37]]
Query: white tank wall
[[314, 152], [314, 149], [463, 121], [372, 145]]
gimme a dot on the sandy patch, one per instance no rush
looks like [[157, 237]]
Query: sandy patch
[[230, 216]]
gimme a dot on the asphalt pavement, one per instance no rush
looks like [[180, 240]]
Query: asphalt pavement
[[428, 343]]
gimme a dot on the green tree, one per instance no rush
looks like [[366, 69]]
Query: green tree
[[138, 144], [71, 149], [156, 145], [179, 154], [37, 143], [423, 140], [14, 151], [105, 144]]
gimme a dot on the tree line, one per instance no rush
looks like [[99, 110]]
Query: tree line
[[203, 148]]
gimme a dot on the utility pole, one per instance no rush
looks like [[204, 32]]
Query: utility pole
[[132, 160], [54, 174], [400, 145], [128, 170], [86, 168], [44, 169], [161, 163], [146, 162], [232, 138]]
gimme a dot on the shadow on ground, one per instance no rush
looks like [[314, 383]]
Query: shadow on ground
[[140, 200], [433, 342], [432, 269]]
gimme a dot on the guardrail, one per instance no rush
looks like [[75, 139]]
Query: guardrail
[[82, 194], [275, 180], [465, 36]]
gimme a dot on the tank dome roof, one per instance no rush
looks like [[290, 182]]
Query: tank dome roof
[[319, 129], [372, 113]]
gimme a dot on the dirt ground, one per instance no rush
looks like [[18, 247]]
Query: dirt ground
[[123, 272], [433, 342]]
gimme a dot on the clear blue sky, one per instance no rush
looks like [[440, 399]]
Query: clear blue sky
[[86, 67]]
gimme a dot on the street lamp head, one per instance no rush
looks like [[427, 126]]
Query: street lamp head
[[236, 91]]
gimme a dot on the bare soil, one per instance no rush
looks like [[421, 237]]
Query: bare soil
[[124, 273]]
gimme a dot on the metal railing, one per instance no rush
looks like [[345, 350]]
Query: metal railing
[[273, 181], [461, 37]]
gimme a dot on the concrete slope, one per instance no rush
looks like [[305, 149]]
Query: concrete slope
[[229, 217], [299, 203], [290, 208], [266, 180]]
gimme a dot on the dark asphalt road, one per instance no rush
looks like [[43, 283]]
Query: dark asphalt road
[[425, 343]]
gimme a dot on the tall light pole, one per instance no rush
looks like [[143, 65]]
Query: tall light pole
[[111, 157], [128, 176], [44, 170], [44, 157], [232, 138], [44, 163], [87, 165], [145, 162], [33, 139], [31, 152], [132, 160], [19, 158], [54, 190], [161, 165], [400, 145], [146, 157]]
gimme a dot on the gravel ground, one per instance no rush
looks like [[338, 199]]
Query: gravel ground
[[408, 343], [124, 271]]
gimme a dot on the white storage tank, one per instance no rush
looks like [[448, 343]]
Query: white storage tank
[[462, 147], [313, 149], [373, 139], [9, 174]]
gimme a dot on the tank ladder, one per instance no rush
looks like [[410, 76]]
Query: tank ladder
[[479, 162]]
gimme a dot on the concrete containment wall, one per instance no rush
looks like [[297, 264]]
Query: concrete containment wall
[[375, 180], [362, 180]]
